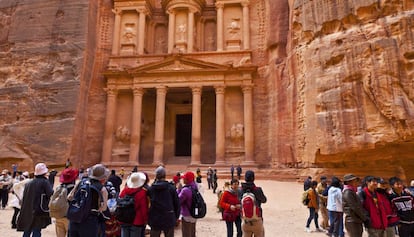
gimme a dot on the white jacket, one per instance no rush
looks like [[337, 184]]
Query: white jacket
[[335, 199], [18, 189]]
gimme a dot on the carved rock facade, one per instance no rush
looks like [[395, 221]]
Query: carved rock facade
[[332, 81]]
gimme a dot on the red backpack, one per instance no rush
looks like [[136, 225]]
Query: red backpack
[[250, 210]]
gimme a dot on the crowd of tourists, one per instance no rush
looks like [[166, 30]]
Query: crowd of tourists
[[93, 202], [384, 208]]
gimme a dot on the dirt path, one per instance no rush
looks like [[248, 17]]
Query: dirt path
[[284, 215]]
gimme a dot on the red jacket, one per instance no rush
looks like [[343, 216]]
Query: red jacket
[[140, 203], [391, 213], [229, 198], [376, 210]]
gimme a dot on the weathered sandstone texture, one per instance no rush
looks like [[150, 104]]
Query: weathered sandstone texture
[[335, 83]]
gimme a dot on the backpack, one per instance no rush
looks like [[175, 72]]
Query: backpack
[[198, 207], [58, 204], [250, 210], [125, 208], [81, 205], [305, 198]]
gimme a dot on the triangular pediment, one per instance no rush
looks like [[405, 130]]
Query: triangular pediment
[[174, 63]]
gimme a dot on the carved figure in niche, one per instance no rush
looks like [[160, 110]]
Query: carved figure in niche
[[237, 134], [129, 33], [234, 27], [160, 45], [122, 134], [182, 28], [210, 43]]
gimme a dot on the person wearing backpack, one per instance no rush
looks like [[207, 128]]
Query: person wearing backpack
[[164, 205], [58, 204], [230, 203], [87, 200], [34, 214], [254, 226], [313, 206], [188, 223], [139, 210]]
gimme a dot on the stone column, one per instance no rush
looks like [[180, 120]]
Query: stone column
[[220, 129], [109, 124], [190, 36], [141, 31], [246, 26], [220, 34], [117, 32], [159, 125], [171, 30], [248, 124], [136, 126], [196, 126]]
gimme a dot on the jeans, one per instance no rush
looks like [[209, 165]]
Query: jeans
[[229, 226], [336, 221], [406, 230], [36, 232], [313, 215], [131, 231]]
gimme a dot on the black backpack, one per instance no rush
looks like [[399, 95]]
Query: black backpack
[[125, 208], [198, 205], [81, 205]]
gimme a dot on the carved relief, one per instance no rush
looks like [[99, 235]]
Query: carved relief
[[234, 28], [237, 135], [129, 33], [181, 32], [122, 134]]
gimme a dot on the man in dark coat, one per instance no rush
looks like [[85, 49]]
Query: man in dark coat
[[354, 212], [34, 215], [116, 181], [164, 205]]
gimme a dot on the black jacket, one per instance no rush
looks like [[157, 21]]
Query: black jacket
[[33, 214], [354, 212], [164, 205]]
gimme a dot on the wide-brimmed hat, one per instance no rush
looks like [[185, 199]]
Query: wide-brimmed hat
[[136, 180], [5, 171], [68, 175], [26, 174], [98, 172], [349, 177], [40, 169]]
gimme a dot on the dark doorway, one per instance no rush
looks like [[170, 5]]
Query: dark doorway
[[183, 135]]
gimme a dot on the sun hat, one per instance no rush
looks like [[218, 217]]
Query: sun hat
[[40, 169], [5, 171], [349, 177], [189, 176], [160, 173], [136, 180], [68, 175], [26, 174], [98, 172]]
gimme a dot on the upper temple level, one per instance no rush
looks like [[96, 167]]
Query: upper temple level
[[185, 26]]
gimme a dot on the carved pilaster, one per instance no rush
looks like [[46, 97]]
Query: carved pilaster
[[112, 93], [220, 128]]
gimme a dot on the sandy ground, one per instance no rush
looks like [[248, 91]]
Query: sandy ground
[[284, 215]]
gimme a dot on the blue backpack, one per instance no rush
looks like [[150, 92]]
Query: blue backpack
[[81, 205]]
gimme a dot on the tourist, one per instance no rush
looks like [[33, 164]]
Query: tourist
[[335, 209], [67, 180], [97, 176], [307, 183], [34, 215], [374, 206], [402, 202], [313, 206], [322, 186], [239, 172], [188, 223], [164, 205], [392, 217], [6, 182], [52, 175], [214, 179], [231, 206], [353, 210], [210, 177], [16, 196], [198, 176], [134, 188], [116, 181], [232, 171], [256, 227]]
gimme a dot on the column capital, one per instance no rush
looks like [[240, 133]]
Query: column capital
[[111, 90], [245, 3], [142, 10], [196, 89], [137, 90], [219, 5], [220, 89], [170, 11], [247, 88], [161, 89], [117, 11]]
